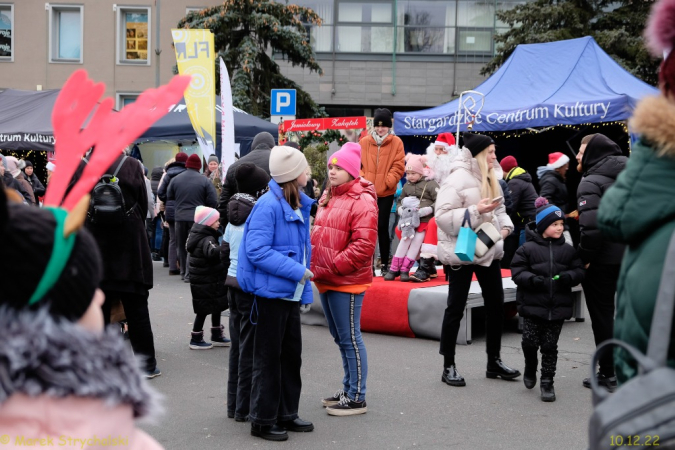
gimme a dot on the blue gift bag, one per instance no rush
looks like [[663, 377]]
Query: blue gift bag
[[466, 240]]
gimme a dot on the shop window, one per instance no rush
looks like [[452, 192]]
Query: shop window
[[65, 33], [133, 43], [6, 32], [124, 99]]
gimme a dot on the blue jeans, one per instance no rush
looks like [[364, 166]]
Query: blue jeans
[[343, 312], [521, 239]]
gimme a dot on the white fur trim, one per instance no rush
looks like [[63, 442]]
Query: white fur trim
[[443, 144], [564, 159]]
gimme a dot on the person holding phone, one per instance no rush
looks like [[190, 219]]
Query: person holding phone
[[473, 186]]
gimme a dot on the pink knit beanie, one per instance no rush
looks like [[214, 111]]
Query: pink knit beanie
[[206, 216], [348, 158], [415, 163]]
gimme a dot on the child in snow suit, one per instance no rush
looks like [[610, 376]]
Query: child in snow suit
[[251, 184], [207, 278], [425, 190], [545, 269]]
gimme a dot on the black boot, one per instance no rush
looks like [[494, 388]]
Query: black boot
[[432, 268], [530, 375], [269, 432], [452, 377], [547, 391], [422, 272], [496, 368]]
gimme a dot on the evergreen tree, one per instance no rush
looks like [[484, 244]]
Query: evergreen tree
[[246, 34], [617, 27]]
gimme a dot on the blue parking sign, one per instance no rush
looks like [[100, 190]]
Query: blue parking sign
[[282, 102]]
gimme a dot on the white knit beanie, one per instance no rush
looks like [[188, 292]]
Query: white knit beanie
[[286, 163]]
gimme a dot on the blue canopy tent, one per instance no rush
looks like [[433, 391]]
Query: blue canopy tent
[[541, 85]]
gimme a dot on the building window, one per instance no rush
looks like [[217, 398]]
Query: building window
[[365, 27], [125, 98], [65, 33], [426, 26], [6, 32], [320, 37], [133, 43]]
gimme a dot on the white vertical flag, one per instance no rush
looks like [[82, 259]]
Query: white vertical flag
[[227, 123]]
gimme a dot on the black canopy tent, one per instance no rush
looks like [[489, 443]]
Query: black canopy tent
[[26, 123], [176, 126]]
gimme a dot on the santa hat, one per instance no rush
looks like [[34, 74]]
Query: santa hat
[[557, 160], [445, 140], [415, 163]]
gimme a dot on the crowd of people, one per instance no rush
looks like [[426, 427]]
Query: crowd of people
[[256, 239]]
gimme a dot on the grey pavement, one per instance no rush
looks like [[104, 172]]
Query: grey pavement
[[408, 406]]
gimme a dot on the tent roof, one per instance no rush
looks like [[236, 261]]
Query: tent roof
[[26, 122], [556, 83]]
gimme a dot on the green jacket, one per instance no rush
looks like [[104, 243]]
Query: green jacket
[[639, 210]]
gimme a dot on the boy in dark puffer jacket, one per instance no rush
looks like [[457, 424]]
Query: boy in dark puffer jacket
[[207, 278], [545, 270]]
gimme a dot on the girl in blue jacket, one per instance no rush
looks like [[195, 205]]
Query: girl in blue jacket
[[273, 265]]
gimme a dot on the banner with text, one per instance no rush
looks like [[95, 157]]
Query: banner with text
[[327, 123], [195, 56], [227, 122], [434, 121]]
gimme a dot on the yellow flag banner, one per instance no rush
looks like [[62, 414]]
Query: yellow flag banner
[[195, 55]]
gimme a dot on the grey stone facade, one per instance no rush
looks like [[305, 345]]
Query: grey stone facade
[[368, 84]]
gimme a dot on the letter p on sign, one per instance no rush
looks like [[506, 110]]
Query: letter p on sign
[[283, 102]]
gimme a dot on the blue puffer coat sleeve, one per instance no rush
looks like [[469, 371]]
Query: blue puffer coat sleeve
[[271, 255]]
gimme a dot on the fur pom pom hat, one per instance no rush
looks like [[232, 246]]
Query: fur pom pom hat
[[415, 163], [660, 40]]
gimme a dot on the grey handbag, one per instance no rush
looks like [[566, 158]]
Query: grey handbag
[[641, 413]]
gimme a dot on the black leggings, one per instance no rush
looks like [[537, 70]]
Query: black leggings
[[384, 205], [201, 318]]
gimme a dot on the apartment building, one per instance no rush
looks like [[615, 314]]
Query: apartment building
[[403, 54], [125, 45]]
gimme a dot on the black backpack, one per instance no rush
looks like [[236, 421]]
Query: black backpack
[[107, 206]]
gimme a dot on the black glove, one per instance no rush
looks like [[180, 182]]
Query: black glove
[[538, 282], [564, 281]]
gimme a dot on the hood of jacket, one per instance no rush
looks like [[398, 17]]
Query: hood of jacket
[[175, 168], [157, 173], [239, 208], [641, 200], [197, 233], [543, 170], [518, 172], [597, 149], [65, 360], [356, 188], [465, 160], [609, 167]]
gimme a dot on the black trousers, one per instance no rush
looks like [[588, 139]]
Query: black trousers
[[542, 335], [138, 319], [600, 289], [490, 280], [277, 350], [241, 353], [182, 233], [384, 205], [150, 231], [201, 318]]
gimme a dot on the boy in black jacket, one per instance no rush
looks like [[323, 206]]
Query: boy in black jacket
[[545, 270], [207, 278]]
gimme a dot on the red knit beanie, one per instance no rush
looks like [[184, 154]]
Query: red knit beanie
[[194, 162], [508, 163]]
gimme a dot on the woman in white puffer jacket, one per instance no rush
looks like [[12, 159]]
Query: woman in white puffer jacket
[[471, 186]]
